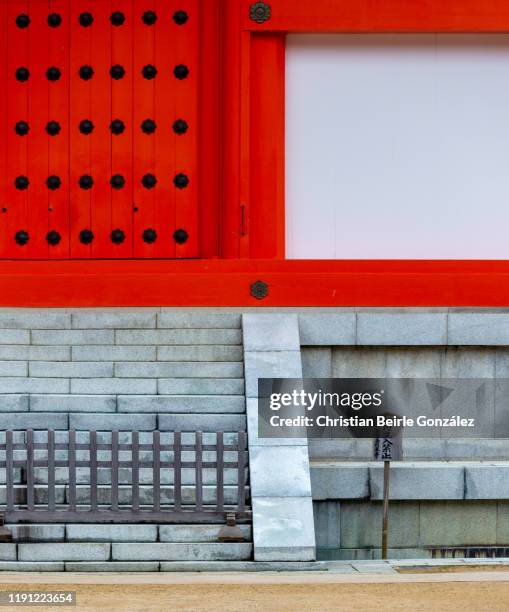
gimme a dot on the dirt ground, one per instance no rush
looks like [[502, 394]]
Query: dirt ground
[[442, 597]]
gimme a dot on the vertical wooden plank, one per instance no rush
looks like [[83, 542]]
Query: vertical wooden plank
[[220, 470], [30, 469], [143, 147], [230, 121], [121, 78], [51, 470], [199, 470], [135, 469], [156, 467], [17, 147], [39, 87], [266, 149], [241, 458], [9, 474], [93, 469], [209, 136], [177, 470], [114, 470], [6, 239], [101, 137], [58, 145], [71, 457], [81, 115], [163, 137], [186, 39]]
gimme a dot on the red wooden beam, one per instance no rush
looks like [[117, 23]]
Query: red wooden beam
[[382, 16], [227, 283]]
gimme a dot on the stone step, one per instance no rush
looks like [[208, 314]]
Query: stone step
[[177, 320], [211, 352], [188, 495], [125, 437], [205, 404], [180, 369], [201, 386], [146, 498], [159, 551], [162, 337], [188, 475], [131, 551], [148, 533]]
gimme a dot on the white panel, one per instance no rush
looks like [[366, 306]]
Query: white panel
[[397, 147]]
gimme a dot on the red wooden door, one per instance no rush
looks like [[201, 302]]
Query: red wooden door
[[99, 128]]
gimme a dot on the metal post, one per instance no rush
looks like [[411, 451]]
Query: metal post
[[385, 523]]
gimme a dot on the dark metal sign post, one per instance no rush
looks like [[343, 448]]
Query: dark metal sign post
[[388, 448]]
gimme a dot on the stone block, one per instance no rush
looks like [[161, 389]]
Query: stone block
[[34, 420], [73, 403], [252, 425], [190, 370], [316, 362], [178, 336], [424, 449], [112, 566], [487, 481], [35, 319], [109, 386], [461, 362], [182, 404], [64, 551], [114, 353], [162, 551], [34, 385], [419, 481], [404, 329], [111, 533], [13, 368], [13, 403], [333, 449], [327, 524], [211, 352], [196, 533], [201, 422], [113, 320], [480, 329], [7, 552], [24, 352], [201, 386], [197, 320], [361, 524], [413, 363], [458, 524], [37, 532], [503, 523], [14, 336], [358, 362], [72, 337], [288, 467], [28, 566], [271, 332], [71, 369], [270, 364], [469, 449], [108, 422], [283, 529], [327, 329], [339, 481]]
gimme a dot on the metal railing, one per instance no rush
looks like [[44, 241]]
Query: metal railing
[[83, 477]]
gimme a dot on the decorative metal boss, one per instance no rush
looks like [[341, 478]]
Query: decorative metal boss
[[260, 12], [259, 290]]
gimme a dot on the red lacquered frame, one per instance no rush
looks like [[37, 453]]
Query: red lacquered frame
[[242, 191]]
